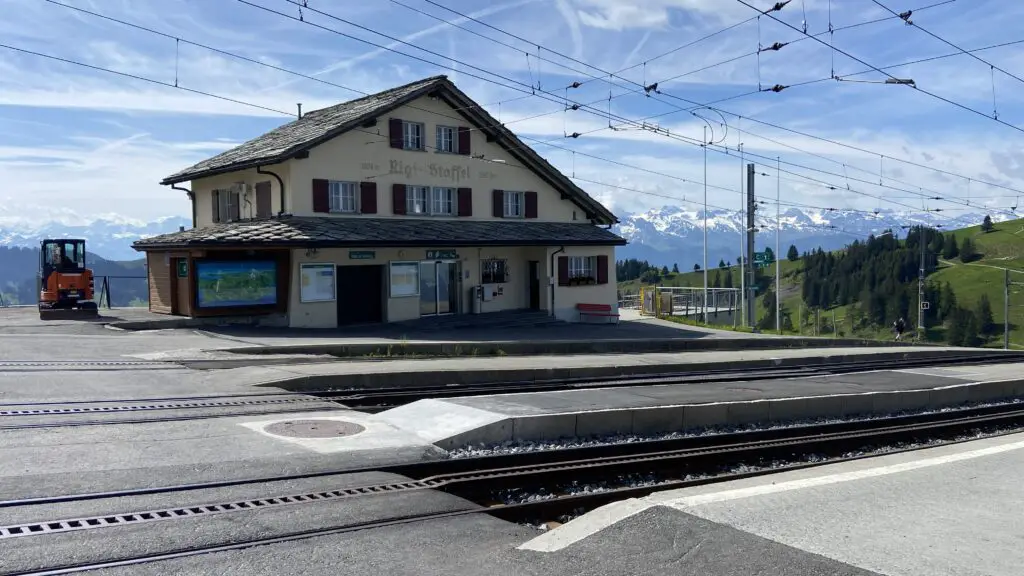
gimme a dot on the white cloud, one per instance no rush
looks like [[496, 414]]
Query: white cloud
[[92, 142]]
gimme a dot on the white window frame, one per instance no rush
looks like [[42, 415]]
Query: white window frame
[[228, 203], [513, 204], [447, 139], [417, 195], [491, 266], [583, 267], [403, 268], [344, 196], [412, 135], [441, 206], [306, 269]]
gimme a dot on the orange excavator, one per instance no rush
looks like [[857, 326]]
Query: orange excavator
[[66, 285]]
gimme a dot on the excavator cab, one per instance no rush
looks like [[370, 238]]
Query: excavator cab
[[66, 285]]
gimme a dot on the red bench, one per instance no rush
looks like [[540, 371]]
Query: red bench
[[600, 310]]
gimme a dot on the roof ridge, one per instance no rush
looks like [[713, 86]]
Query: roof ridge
[[406, 86]]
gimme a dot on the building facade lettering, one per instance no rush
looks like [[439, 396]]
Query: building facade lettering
[[454, 173]]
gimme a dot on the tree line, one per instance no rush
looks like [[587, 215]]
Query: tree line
[[880, 277]]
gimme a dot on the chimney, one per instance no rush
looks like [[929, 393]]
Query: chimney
[[181, 228], [300, 109]]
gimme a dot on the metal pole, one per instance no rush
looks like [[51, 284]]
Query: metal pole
[[743, 242], [1006, 310], [920, 288], [705, 146], [778, 231], [748, 265]]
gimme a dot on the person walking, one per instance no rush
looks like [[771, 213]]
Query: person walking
[[899, 326]]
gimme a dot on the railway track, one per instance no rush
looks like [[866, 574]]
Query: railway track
[[383, 398], [380, 399], [481, 478]]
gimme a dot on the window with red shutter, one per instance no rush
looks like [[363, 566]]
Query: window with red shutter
[[530, 210], [498, 203], [465, 202], [398, 198], [563, 270], [368, 197], [602, 269], [321, 195]]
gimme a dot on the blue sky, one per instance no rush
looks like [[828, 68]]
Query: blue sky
[[77, 143]]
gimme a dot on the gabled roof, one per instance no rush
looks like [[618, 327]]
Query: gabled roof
[[318, 126], [300, 231]]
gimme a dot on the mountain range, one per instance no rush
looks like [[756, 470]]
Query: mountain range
[[672, 235], [662, 236]]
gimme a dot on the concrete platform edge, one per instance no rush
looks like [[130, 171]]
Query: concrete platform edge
[[664, 419], [403, 350], [399, 379]]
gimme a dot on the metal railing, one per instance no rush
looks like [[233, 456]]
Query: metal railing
[[659, 301], [103, 295]]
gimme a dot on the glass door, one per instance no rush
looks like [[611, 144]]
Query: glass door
[[428, 288], [439, 288], [448, 287]]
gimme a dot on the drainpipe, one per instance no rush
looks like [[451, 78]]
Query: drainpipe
[[260, 170], [191, 198], [554, 272]]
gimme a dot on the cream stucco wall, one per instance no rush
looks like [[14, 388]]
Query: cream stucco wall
[[203, 189], [365, 154], [567, 297], [515, 292]]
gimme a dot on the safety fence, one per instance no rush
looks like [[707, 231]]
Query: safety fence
[[719, 305], [110, 291]]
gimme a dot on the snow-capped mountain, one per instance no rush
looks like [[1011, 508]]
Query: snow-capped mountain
[[662, 236], [673, 235], [109, 236]]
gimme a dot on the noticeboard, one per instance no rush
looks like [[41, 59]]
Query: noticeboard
[[316, 283]]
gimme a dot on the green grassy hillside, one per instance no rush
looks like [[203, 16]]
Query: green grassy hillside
[[1001, 248]]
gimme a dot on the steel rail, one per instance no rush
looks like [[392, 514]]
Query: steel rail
[[542, 508], [418, 471]]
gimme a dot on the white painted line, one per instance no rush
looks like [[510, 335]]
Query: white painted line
[[936, 372], [593, 522], [606, 516]]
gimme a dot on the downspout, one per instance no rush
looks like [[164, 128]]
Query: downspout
[[192, 199], [554, 272], [280, 182]]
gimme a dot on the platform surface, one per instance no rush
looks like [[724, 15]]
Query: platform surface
[[700, 393], [945, 511]]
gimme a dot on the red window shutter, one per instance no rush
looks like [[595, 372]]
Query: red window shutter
[[563, 270], [395, 132], [465, 201], [368, 197], [398, 198], [602, 269], [498, 203], [530, 209], [464, 144], [321, 196]]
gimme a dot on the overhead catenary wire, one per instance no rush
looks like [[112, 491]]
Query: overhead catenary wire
[[947, 42], [279, 111], [507, 100], [550, 95], [875, 68], [642, 87]]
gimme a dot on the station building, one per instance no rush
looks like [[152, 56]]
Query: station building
[[408, 203]]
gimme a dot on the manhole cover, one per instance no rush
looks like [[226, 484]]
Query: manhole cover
[[314, 428]]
